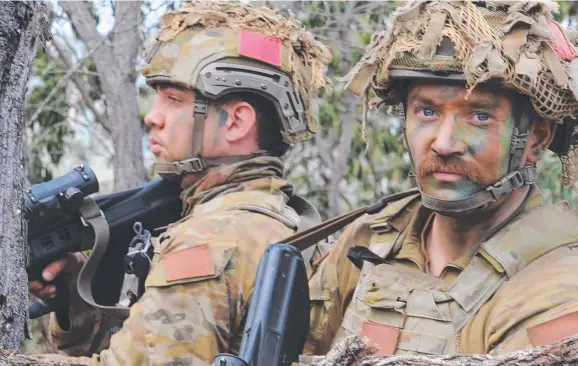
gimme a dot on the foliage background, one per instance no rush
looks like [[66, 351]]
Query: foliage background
[[68, 124]]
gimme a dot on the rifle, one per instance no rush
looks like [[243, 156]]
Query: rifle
[[56, 228], [278, 318]]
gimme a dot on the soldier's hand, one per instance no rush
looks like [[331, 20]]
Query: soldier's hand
[[68, 266]]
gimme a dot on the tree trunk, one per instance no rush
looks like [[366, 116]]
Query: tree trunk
[[126, 130], [23, 27], [354, 351], [115, 61]]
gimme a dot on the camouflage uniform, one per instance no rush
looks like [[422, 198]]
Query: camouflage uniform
[[376, 301], [203, 273], [518, 287], [204, 266]]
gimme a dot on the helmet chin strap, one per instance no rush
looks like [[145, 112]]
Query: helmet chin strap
[[196, 164], [503, 187], [517, 177]]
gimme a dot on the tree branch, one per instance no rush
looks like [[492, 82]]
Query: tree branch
[[323, 150], [356, 351], [80, 16], [67, 61], [59, 85], [338, 167], [126, 39]]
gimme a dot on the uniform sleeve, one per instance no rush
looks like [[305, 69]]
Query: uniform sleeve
[[188, 322], [196, 295], [536, 307], [550, 327], [330, 289]]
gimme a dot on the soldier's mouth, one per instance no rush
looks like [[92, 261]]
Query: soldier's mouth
[[447, 176]]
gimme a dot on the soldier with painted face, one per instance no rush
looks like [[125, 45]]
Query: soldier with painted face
[[235, 89], [472, 260]]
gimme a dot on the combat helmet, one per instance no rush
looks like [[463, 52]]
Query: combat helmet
[[513, 43], [218, 48]]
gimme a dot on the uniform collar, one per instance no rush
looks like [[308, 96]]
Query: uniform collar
[[262, 173], [418, 220]]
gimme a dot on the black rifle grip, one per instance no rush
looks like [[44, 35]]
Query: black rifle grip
[[59, 303]]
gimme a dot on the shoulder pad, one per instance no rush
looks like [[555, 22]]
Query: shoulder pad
[[287, 215], [532, 235]]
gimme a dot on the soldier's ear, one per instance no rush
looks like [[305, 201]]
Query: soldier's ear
[[539, 138], [242, 121]]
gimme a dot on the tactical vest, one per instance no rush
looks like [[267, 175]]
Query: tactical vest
[[407, 311]]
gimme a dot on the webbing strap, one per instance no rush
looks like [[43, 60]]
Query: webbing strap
[[200, 110], [196, 165], [310, 237], [519, 140], [92, 216], [509, 183]]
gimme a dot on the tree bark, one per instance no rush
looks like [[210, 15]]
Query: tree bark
[[11, 358], [115, 62], [354, 351], [23, 28]]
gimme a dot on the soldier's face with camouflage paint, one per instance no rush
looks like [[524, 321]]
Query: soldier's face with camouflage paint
[[228, 130], [171, 122], [458, 145]]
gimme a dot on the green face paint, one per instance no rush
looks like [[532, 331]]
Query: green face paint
[[459, 146], [506, 143]]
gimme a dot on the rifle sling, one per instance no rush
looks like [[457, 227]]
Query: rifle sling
[[92, 216], [312, 236]]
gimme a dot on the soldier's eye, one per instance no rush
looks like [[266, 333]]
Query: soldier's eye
[[481, 118], [426, 112]]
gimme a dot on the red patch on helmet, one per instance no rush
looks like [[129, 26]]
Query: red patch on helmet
[[562, 45], [260, 47]]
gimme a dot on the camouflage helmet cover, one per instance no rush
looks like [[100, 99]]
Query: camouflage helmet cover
[[515, 42], [217, 48]]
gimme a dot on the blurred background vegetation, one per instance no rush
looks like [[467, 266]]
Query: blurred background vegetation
[[72, 117]]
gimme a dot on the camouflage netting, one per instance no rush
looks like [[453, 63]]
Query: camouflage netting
[[205, 31], [516, 42]]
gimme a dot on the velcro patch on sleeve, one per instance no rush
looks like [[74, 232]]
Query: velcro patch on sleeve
[[384, 336], [191, 262], [554, 330], [259, 47]]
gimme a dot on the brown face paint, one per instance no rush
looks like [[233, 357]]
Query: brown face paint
[[449, 92], [475, 137]]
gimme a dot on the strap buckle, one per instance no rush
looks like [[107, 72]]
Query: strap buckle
[[200, 106], [358, 254], [509, 183], [519, 141], [193, 165]]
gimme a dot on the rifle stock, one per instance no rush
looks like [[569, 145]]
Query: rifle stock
[[278, 320], [55, 227]]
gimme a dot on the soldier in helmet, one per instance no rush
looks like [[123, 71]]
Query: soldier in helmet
[[472, 260], [235, 87]]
